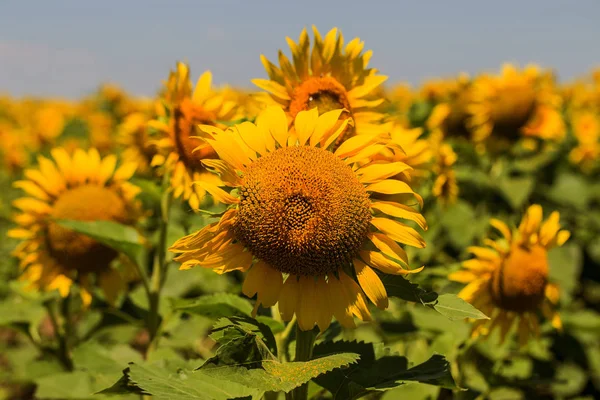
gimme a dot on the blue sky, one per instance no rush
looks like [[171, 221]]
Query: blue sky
[[66, 48]]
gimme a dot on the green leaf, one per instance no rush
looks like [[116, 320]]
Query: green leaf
[[456, 309], [177, 381], [381, 374], [516, 190], [398, 286], [214, 305], [122, 238], [571, 189], [453, 220], [227, 329], [570, 379], [71, 385], [565, 267], [240, 347], [20, 310], [275, 376]]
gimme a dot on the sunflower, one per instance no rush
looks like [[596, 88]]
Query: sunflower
[[329, 76], [83, 187], [586, 129], [408, 146], [513, 104], [445, 185], [508, 280], [307, 224], [449, 117], [134, 137], [180, 150]]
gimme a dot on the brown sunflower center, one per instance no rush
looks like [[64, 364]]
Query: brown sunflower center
[[325, 93], [84, 203], [520, 282], [185, 119], [512, 108], [456, 123], [303, 211]]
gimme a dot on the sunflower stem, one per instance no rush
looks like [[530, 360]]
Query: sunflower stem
[[62, 331], [159, 272], [305, 342]]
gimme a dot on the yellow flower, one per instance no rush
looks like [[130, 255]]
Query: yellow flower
[[180, 150], [408, 146], [508, 279], [133, 136], [329, 76], [513, 104], [307, 224], [586, 128], [445, 185], [83, 187], [449, 118], [14, 148]]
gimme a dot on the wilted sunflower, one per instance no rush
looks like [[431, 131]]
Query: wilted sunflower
[[305, 215], [508, 280], [85, 188], [329, 76], [514, 104], [180, 149]]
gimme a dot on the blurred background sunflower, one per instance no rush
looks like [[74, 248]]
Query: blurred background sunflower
[[81, 187]]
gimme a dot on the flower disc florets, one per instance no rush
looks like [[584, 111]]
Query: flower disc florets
[[303, 211]]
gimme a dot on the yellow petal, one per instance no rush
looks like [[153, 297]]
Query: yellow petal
[[288, 299], [399, 232], [370, 83], [218, 193], [502, 228], [379, 172], [264, 280], [308, 306], [339, 304], [400, 211], [324, 301], [252, 136], [355, 297], [305, 124], [388, 247], [353, 145], [325, 123], [389, 186], [377, 260], [371, 284], [125, 171], [273, 120], [483, 253], [272, 87], [202, 90]]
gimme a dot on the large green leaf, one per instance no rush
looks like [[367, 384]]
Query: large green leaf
[[177, 381], [398, 286], [227, 329], [455, 308], [171, 380], [516, 190], [275, 376], [372, 374], [121, 238]]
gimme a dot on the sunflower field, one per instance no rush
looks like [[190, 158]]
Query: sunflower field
[[324, 235]]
